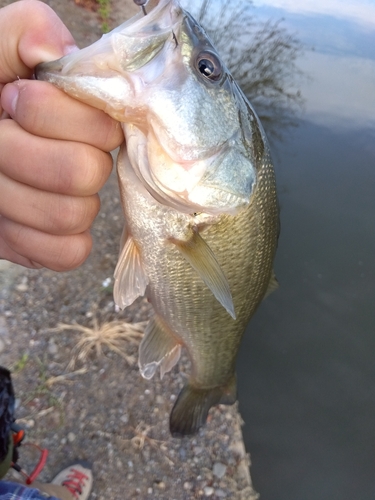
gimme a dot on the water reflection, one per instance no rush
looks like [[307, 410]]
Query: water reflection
[[361, 12], [341, 59], [306, 371], [261, 55], [349, 97]]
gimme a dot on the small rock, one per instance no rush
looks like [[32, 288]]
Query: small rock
[[219, 469], [187, 486], [71, 437], [22, 287], [238, 448], [124, 418], [52, 347], [161, 485], [149, 491], [208, 491], [106, 282], [220, 493]]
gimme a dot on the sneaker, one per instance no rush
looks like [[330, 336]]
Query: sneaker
[[77, 479]]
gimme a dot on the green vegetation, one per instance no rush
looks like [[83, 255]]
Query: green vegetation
[[20, 364], [104, 10], [43, 387]]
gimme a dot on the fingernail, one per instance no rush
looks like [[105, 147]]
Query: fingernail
[[9, 98]]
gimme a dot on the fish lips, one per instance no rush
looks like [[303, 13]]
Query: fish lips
[[106, 90]]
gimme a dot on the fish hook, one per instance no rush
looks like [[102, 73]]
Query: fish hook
[[141, 3]]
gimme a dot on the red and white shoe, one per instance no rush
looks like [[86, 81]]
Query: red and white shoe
[[77, 479]]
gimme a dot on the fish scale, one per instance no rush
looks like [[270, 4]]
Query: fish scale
[[197, 318]]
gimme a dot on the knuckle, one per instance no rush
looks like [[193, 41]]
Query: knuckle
[[73, 251], [113, 136], [78, 169], [93, 170], [72, 215]]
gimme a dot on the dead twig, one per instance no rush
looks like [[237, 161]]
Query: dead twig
[[65, 377]]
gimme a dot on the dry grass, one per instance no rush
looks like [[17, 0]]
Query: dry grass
[[113, 335], [65, 377]]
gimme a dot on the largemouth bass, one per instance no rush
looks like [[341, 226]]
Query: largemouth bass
[[198, 193]]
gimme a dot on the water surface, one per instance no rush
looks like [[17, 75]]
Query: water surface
[[306, 369]]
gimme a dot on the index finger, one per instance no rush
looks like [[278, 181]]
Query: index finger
[[45, 111]]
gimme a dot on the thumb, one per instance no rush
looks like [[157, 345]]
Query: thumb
[[31, 33]]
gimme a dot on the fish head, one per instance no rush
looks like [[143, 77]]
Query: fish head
[[192, 138]]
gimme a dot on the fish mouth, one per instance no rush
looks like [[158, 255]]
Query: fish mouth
[[100, 74], [90, 75]]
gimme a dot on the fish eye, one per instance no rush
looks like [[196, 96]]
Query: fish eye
[[209, 65]]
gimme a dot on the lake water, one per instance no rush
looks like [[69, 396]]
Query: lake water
[[306, 369]]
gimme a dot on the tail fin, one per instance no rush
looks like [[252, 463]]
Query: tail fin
[[191, 408]]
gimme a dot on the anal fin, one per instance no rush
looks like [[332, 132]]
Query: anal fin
[[202, 259], [130, 278], [157, 349]]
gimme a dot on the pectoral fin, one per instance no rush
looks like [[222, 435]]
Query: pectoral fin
[[130, 278], [202, 259], [158, 348]]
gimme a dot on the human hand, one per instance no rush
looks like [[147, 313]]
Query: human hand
[[54, 150]]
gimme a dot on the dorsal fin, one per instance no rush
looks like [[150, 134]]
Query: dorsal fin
[[202, 259], [130, 278]]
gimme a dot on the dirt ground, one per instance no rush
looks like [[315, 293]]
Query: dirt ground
[[96, 406]]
